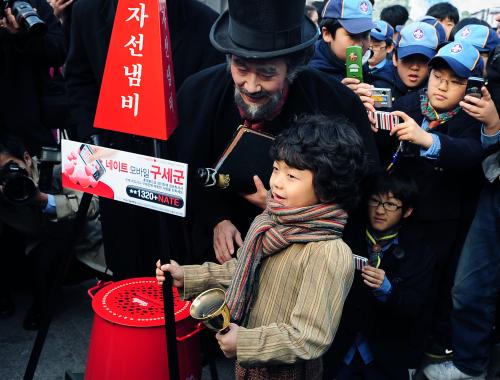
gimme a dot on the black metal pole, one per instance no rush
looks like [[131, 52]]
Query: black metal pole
[[78, 224], [168, 298]]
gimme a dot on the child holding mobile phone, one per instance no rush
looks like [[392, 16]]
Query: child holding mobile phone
[[446, 159]]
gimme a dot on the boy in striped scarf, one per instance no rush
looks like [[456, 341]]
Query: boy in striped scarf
[[287, 286]]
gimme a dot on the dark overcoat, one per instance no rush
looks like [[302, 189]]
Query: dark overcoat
[[208, 119], [24, 68]]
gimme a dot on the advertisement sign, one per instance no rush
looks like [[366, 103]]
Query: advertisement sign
[[140, 180], [137, 93]]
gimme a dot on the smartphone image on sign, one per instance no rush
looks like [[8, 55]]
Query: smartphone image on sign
[[353, 62], [382, 97], [89, 159], [474, 85]]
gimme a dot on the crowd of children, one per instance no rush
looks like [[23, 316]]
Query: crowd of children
[[434, 206]]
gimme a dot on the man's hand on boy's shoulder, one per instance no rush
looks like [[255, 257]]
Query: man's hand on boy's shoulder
[[225, 236], [410, 131], [227, 341], [373, 277]]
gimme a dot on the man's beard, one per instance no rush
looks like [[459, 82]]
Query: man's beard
[[254, 111]]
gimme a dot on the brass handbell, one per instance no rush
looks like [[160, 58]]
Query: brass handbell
[[210, 308]]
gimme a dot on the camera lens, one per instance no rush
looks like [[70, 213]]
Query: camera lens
[[19, 189]]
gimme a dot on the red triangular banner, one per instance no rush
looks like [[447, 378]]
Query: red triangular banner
[[138, 90]]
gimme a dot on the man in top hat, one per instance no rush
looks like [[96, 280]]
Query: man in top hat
[[263, 86]]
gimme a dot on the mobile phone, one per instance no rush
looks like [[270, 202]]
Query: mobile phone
[[386, 120], [382, 97], [89, 159], [474, 85], [353, 62]]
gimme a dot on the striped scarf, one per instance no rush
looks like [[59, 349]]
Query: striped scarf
[[435, 118], [271, 232]]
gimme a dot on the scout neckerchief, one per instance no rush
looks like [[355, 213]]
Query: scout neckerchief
[[378, 244], [259, 124], [271, 232], [432, 115]]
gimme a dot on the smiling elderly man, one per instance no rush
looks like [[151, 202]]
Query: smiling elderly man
[[264, 86]]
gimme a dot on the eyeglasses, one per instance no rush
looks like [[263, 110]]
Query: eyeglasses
[[388, 206], [452, 83], [375, 48]]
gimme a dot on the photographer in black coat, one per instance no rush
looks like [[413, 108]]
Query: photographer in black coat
[[26, 54]]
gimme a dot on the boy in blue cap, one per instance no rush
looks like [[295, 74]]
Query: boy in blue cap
[[418, 43], [481, 37], [381, 44], [444, 153], [344, 23]]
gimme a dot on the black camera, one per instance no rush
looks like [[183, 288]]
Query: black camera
[[25, 16], [18, 187]]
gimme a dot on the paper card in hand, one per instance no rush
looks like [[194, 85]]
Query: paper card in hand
[[247, 155]]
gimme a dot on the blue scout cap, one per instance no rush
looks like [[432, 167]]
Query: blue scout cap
[[417, 38], [481, 37], [382, 31], [462, 57], [439, 28], [355, 16]]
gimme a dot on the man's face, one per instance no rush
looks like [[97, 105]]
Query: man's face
[[258, 85], [381, 219], [342, 40], [445, 89], [412, 70], [447, 25], [380, 51]]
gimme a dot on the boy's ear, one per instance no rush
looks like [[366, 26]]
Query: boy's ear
[[389, 49], [408, 212], [394, 60], [27, 159], [327, 36]]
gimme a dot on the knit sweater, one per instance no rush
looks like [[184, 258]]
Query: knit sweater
[[300, 295]]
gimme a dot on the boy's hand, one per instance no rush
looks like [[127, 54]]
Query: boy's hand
[[483, 110], [225, 234], [410, 131], [175, 270], [259, 197], [373, 277], [227, 341]]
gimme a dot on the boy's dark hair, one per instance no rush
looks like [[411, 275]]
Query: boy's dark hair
[[402, 187], [11, 145], [466, 21], [331, 24], [444, 10], [332, 149], [394, 15]]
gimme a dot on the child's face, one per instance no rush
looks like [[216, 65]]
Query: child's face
[[445, 89], [380, 51], [342, 40], [448, 25], [292, 187], [381, 219], [412, 70]]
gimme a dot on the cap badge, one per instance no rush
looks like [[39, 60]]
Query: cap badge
[[418, 34], [457, 48], [363, 7], [465, 32]]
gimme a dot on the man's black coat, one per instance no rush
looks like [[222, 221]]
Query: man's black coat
[[24, 68], [131, 234], [208, 120]]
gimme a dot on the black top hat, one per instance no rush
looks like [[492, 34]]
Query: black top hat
[[263, 28]]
